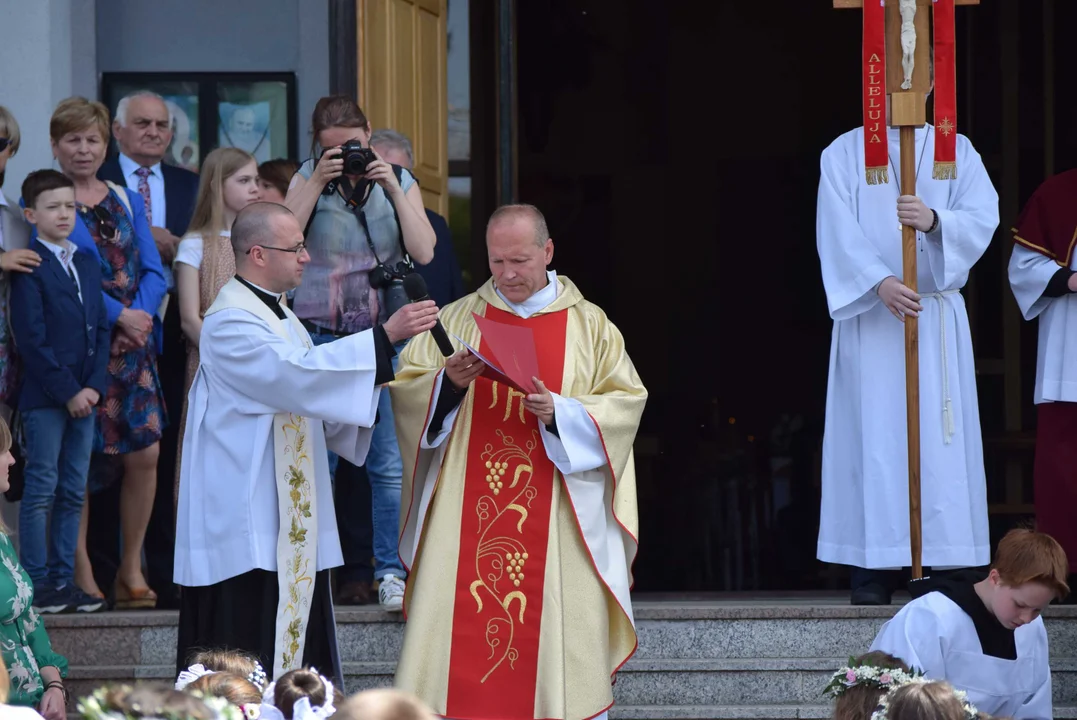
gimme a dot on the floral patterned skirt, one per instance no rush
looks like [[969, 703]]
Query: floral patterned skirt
[[131, 415]]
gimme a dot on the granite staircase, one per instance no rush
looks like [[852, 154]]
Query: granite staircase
[[759, 659]]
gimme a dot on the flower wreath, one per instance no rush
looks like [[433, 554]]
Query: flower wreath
[[93, 708], [853, 675], [882, 711]]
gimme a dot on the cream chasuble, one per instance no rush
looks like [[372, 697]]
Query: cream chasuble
[[519, 542]]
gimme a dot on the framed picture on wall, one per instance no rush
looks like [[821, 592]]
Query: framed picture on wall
[[252, 111]]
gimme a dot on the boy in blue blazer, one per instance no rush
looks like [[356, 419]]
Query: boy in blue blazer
[[61, 331]]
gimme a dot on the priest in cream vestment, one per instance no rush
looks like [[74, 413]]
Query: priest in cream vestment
[[519, 519], [256, 532]]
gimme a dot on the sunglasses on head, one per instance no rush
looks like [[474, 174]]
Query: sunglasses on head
[[4, 142]]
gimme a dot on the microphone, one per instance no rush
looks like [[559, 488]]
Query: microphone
[[415, 289]]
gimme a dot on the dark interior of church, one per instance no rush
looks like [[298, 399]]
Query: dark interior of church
[[674, 148]]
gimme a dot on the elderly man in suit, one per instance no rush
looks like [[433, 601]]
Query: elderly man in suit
[[143, 129]]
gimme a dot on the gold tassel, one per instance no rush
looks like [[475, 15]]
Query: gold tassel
[[878, 175], [945, 171]]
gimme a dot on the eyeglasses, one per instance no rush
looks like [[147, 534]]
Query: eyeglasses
[[4, 142], [296, 250]]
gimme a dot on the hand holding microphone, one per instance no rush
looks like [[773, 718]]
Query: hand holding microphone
[[415, 289], [410, 320]]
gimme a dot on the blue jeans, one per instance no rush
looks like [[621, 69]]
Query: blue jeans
[[58, 450], [385, 469]]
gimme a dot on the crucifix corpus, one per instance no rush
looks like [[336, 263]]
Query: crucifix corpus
[[897, 61]]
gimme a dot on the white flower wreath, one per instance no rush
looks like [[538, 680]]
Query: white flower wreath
[[853, 675], [93, 708], [881, 712]]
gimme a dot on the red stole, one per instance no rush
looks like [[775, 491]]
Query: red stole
[[504, 531], [1048, 223]]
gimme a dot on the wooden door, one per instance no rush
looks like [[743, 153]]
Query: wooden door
[[403, 86]]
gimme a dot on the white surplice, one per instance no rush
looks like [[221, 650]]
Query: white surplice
[[228, 513], [865, 516], [1056, 372], [934, 634]]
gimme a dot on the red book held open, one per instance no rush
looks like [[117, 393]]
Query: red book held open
[[511, 349]]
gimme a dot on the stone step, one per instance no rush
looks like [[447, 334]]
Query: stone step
[[367, 634], [751, 660], [716, 712], [722, 682]]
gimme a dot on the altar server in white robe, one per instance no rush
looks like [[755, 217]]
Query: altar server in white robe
[[982, 631], [1044, 282], [865, 499], [256, 532]]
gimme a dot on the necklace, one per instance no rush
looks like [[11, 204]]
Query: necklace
[[919, 164]]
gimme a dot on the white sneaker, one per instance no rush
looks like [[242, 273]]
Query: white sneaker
[[391, 593]]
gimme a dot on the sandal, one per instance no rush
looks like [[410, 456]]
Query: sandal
[[134, 598]]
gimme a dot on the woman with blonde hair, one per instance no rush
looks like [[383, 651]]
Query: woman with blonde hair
[[113, 229], [32, 672], [204, 259]]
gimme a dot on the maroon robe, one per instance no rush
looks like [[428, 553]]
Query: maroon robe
[[1048, 225]]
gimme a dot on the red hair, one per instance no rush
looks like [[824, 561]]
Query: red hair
[[1026, 556]]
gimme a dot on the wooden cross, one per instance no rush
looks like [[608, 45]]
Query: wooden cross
[[908, 112]]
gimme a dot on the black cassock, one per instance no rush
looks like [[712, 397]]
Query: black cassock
[[240, 613]]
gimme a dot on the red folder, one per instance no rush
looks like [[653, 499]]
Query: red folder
[[513, 351]]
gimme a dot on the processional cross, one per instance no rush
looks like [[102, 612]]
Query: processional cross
[[897, 62]]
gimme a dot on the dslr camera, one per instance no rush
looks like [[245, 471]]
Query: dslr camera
[[356, 157]]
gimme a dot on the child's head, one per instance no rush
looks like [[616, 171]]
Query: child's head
[[1028, 572], [274, 177], [234, 688], [301, 684], [383, 705], [925, 701], [228, 183], [859, 686], [237, 662], [50, 204]]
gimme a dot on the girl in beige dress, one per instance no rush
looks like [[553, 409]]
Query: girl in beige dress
[[204, 260]]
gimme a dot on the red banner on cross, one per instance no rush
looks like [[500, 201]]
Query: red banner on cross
[[876, 152]]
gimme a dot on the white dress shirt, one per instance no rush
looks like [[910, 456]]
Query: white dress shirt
[[156, 181], [65, 253]]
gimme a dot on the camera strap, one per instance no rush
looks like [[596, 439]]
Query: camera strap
[[357, 199]]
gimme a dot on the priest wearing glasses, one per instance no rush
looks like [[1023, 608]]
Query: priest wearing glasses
[[256, 533]]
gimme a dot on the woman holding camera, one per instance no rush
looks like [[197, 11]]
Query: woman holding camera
[[367, 223]]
